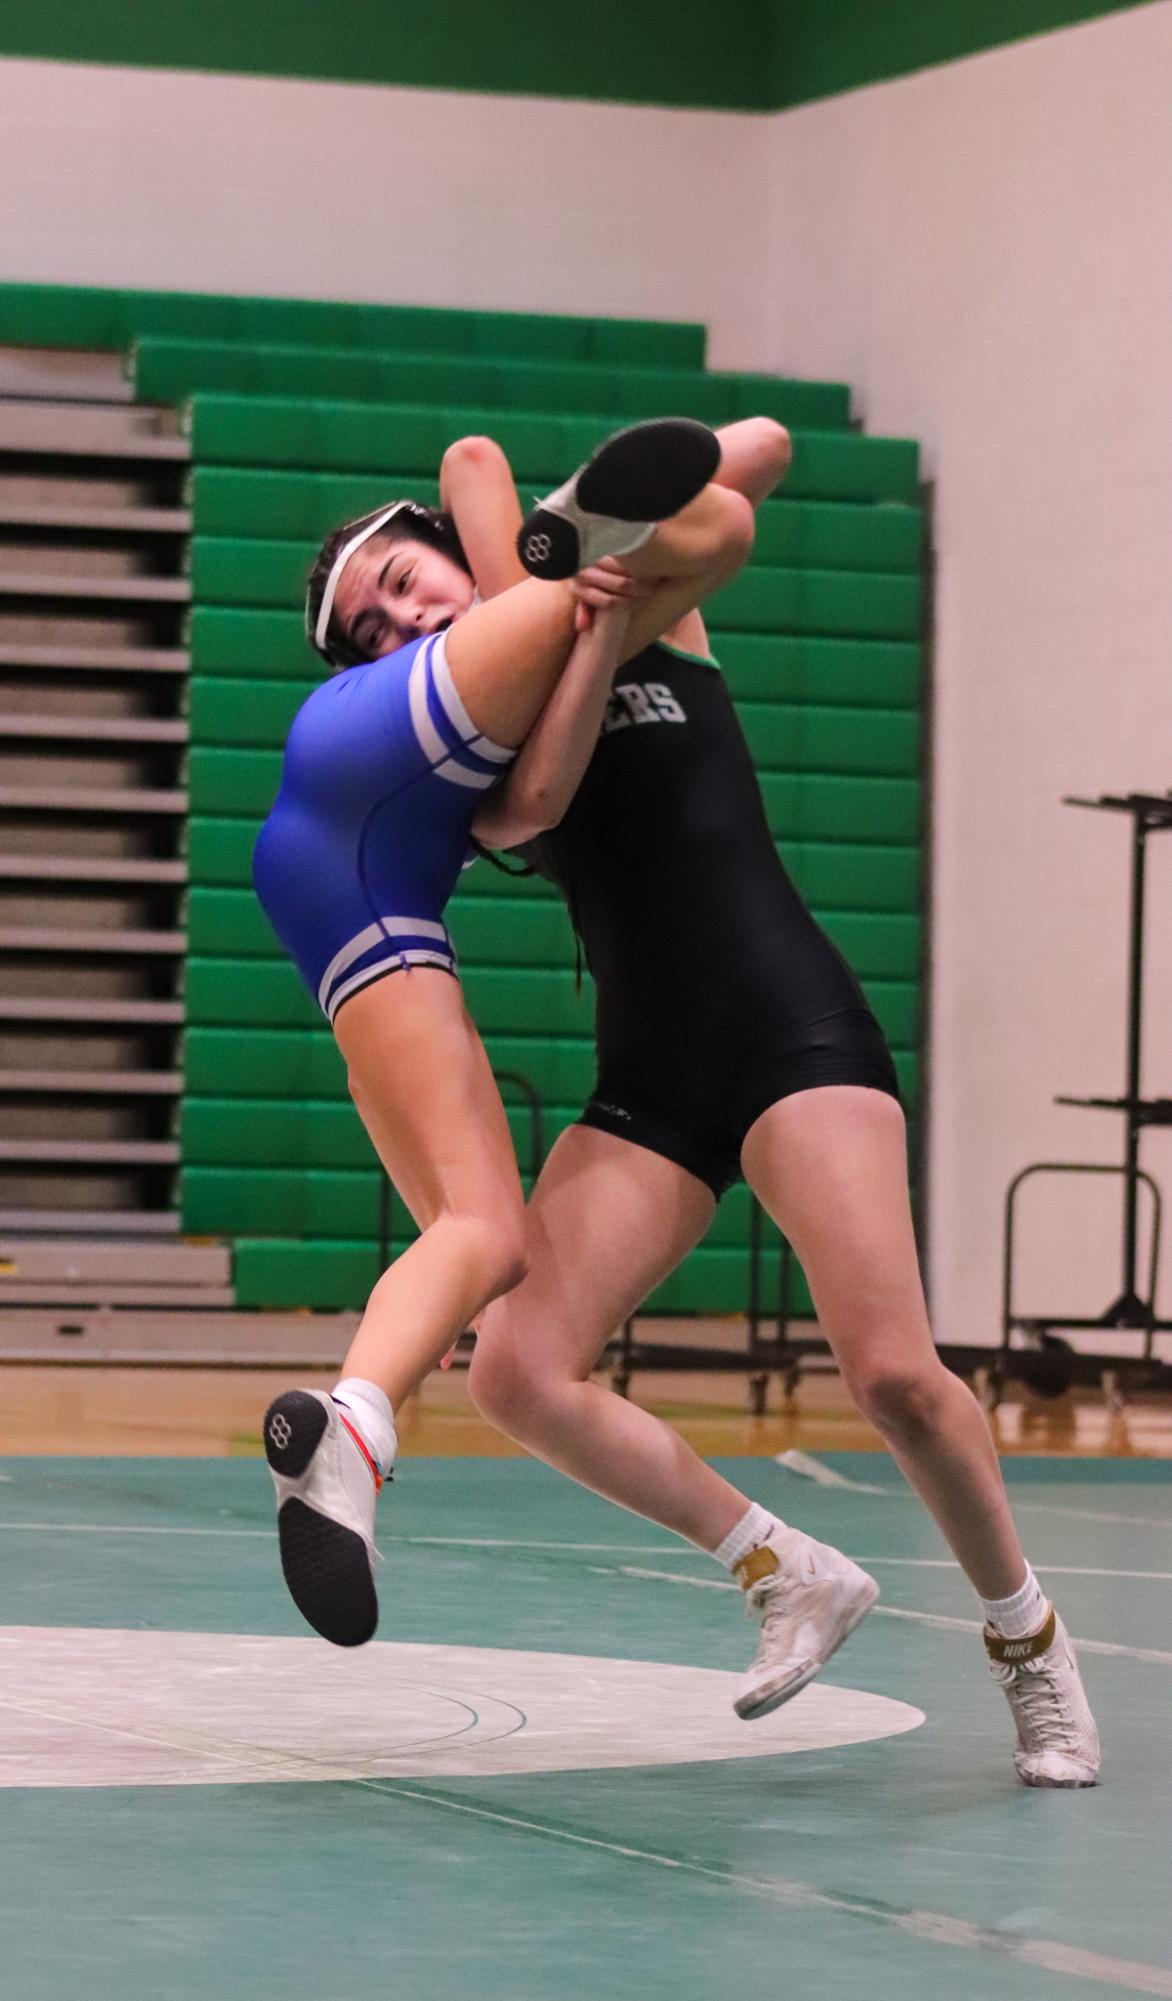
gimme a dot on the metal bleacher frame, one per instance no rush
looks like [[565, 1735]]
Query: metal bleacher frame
[[763, 1354]]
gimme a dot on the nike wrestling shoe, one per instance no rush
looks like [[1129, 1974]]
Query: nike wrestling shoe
[[809, 1598], [327, 1484], [611, 506], [1057, 1742]]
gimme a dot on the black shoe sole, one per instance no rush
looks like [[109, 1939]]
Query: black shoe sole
[[327, 1569], [647, 472], [326, 1566]]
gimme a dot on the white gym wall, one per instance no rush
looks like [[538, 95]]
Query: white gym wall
[[982, 251], [182, 182]]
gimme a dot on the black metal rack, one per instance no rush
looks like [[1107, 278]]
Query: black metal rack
[[1133, 1310]]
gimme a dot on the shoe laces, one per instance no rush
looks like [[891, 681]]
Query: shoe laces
[[1041, 1698]]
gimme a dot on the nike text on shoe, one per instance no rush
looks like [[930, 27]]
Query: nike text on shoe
[[326, 1485], [610, 507], [1057, 1742], [809, 1598]]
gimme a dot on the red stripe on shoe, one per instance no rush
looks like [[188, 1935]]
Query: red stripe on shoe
[[360, 1442]]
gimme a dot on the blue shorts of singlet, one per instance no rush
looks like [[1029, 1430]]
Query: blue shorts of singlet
[[383, 772]]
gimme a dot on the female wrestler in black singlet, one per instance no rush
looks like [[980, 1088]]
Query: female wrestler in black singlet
[[718, 994], [732, 1039]]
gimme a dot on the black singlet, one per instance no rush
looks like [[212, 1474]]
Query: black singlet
[[717, 992]]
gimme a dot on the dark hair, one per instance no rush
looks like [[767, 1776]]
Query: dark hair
[[412, 523]]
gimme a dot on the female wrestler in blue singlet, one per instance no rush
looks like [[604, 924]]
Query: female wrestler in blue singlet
[[385, 767], [732, 1039]]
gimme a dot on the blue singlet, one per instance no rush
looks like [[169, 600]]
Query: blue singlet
[[383, 773]]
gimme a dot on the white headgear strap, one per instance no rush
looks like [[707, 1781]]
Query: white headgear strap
[[340, 561]]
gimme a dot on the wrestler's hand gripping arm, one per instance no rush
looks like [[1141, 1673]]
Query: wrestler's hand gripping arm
[[477, 488]]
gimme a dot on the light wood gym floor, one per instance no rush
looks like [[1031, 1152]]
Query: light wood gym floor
[[216, 1412]]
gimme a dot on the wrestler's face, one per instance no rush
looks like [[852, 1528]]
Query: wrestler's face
[[393, 592]]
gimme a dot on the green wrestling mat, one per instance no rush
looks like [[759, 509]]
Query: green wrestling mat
[[532, 1784]]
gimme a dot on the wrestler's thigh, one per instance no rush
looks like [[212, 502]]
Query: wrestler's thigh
[[830, 1166], [424, 1089], [606, 1223]]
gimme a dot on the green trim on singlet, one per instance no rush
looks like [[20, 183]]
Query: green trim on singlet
[[682, 653]]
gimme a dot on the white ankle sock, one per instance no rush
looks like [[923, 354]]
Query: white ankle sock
[[1015, 1617], [372, 1414], [755, 1527]]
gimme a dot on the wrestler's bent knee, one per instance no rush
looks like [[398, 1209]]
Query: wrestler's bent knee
[[900, 1399]]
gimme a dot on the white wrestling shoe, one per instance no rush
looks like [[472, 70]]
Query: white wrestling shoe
[[327, 1484], [611, 506], [1057, 1742], [809, 1598]]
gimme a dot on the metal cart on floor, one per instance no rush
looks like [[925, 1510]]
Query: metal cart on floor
[[1043, 1357]]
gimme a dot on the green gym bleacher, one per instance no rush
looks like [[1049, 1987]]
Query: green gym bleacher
[[304, 413]]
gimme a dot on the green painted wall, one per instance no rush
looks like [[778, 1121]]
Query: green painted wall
[[822, 47], [655, 51], [758, 55]]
